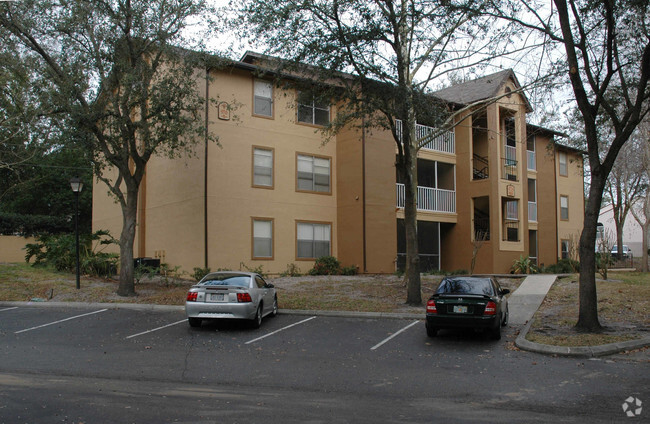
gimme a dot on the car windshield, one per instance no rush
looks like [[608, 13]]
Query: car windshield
[[479, 286], [227, 280]]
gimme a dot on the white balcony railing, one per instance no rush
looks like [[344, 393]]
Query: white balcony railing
[[444, 142], [532, 211], [430, 199]]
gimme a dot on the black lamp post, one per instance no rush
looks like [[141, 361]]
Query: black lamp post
[[76, 185]]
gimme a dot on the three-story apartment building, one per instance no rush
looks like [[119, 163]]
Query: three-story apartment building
[[275, 193]]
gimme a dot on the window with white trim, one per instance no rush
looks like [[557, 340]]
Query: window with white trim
[[262, 98], [262, 238], [313, 174], [262, 167], [313, 240], [312, 110], [564, 170], [564, 208]]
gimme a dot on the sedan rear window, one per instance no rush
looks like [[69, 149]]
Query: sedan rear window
[[227, 280], [478, 286]]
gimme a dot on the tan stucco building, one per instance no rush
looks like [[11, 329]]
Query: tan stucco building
[[274, 194]]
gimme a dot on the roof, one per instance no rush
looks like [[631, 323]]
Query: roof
[[480, 89]]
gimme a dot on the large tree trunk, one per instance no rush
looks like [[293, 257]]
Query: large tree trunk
[[127, 237], [588, 311], [414, 292]]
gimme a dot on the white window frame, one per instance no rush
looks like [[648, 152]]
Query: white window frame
[[262, 97], [261, 157], [311, 175], [262, 231], [308, 234], [310, 111]]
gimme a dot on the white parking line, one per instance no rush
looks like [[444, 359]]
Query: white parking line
[[156, 329], [281, 329], [394, 335], [59, 321], [8, 309]]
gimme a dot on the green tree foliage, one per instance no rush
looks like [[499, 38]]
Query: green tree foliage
[[120, 80]]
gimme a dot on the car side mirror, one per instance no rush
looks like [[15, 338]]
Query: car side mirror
[[505, 291], [269, 286]]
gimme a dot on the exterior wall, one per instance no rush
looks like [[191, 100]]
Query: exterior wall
[[12, 248], [361, 207], [547, 221], [568, 186], [632, 231]]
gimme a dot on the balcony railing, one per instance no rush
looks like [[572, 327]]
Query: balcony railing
[[444, 142], [532, 211], [430, 199]]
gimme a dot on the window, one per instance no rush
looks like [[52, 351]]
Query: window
[[511, 221], [262, 238], [313, 240], [262, 167], [565, 249], [564, 208], [530, 153], [313, 174], [564, 170], [262, 98], [312, 111], [512, 210]]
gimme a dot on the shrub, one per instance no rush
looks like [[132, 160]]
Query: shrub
[[200, 273], [59, 251], [563, 266], [524, 265], [326, 265], [349, 270], [291, 271]]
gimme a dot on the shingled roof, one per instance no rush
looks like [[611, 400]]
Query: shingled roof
[[480, 89]]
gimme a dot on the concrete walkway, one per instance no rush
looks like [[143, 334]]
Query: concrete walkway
[[524, 302]]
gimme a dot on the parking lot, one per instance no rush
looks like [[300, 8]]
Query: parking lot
[[337, 359]]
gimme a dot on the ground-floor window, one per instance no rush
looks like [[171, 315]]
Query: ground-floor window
[[565, 248], [262, 238], [313, 240]]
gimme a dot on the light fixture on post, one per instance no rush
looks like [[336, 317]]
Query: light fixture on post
[[76, 185]]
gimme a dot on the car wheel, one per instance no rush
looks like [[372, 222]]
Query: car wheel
[[431, 331], [505, 318], [194, 322], [257, 321], [274, 311]]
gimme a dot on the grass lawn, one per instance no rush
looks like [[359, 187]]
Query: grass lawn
[[623, 305]]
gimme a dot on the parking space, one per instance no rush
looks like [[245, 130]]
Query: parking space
[[94, 338]]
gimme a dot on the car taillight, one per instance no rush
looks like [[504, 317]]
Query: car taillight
[[191, 296], [490, 308], [431, 307], [244, 297]]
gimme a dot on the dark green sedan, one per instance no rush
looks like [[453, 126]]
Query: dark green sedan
[[468, 302]]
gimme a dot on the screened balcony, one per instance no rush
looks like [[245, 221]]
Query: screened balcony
[[444, 143]]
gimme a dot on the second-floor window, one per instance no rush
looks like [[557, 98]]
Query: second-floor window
[[564, 208], [564, 170], [313, 174], [262, 98], [262, 167], [312, 110]]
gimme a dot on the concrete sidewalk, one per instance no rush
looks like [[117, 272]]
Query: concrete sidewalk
[[524, 302]]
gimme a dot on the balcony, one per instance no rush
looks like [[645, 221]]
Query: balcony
[[444, 143], [430, 199]]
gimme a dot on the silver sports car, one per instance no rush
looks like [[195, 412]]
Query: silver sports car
[[231, 295]]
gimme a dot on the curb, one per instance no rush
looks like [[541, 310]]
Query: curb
[[577, 351]]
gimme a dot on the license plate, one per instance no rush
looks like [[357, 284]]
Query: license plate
[[460, 309], [217, 297]]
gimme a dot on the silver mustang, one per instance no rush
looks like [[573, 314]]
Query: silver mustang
[[231, 295]]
